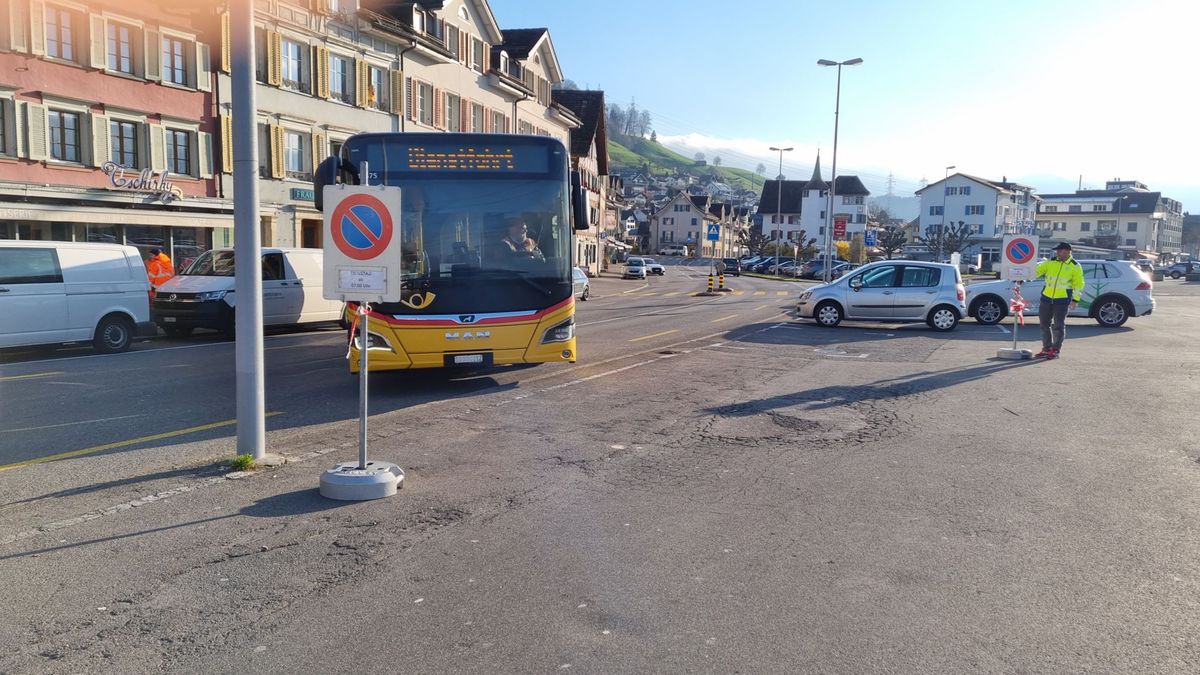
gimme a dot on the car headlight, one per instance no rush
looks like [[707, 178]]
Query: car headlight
[[805, 295], [560, 333], [374, 341], [211, 296]]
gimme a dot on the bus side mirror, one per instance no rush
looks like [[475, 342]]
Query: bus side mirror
[[326, 174], [579, 206]]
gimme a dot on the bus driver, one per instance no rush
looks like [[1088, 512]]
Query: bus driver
[[517, 242]]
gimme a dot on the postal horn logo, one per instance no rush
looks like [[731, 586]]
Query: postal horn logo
[[418, 301]]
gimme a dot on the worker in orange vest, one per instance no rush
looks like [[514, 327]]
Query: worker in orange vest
[[159, 268]]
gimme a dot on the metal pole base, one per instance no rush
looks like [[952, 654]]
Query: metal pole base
[[1014, 354], [349, 483]]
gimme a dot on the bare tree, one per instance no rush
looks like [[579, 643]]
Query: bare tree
[[891, 240], [616, 118], [717, 160], [699, 156], [644, 123], [761, 169], [947, 239]]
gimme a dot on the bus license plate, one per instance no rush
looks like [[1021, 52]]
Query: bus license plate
[[168, 319], [460, 359], [482, 359]]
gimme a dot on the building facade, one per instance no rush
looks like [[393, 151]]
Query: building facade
[[989, 210], [1125, 216]]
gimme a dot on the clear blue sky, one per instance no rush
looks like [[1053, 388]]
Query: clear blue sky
[[1040, 92]]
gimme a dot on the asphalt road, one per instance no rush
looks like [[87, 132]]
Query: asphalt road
[[713, 488]]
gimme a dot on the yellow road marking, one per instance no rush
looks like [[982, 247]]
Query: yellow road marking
[[667, 295], [724, 318], [10, 378], [739, 292], [121, 444], [760, 292], [647, 337], [761, 307], [781, 292]]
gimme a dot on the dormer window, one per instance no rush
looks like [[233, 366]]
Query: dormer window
[[504, 62], [462, 14]]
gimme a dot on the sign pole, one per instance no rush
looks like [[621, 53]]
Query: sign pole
[[362, 260], [1017, 265]]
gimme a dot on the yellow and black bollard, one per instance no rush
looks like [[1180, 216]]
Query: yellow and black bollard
[[710, 283], [721, 281]]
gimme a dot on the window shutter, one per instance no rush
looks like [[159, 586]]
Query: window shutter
[[37, 27], [203, 67], [226, 143], [99, 42], [360, 83], [411, 101], [204, 140], [320, 72], [320, 149], [101, 141], [158, 149], [487, 57], [13, 35], [314, 63], [396, 89], [464, 48], [153, 56], [437, 108], [277, 166], [464, 115], [274, 62], [226, 44], [35, 131], [487, 120]]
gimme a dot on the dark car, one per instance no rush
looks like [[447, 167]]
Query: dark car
[[733, 266]]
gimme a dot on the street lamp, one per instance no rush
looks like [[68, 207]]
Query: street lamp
[[778, 202], [942, 225], [833, 179]]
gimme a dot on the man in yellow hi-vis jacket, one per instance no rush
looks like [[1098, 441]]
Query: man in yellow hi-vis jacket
[[1064, 286]]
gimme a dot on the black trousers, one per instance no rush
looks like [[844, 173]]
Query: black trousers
[[1053, 320]]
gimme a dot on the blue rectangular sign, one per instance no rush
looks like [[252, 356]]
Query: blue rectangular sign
[[302, 193], [714, 232]]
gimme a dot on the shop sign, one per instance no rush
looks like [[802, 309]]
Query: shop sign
[[145, 181], [302, 193]]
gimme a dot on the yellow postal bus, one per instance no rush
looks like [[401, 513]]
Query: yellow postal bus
[[485, 249]]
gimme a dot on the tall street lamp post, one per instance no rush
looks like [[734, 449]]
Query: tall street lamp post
[[942, 225], [833, 179], [778, 202]]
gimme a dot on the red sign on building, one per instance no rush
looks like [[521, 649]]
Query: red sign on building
[[839, 226]]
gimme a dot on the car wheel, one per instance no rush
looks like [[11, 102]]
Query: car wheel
[[114, 334], [177, 331], [989, 310], [943, 318], [1112, 312], [828, 314], [587, 291], [1176, 274]]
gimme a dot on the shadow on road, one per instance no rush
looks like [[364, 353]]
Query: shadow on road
[[294, 503]]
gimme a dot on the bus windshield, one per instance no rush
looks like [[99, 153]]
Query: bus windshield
[[476, 241]]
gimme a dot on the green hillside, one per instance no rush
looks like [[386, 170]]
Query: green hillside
[[632, 152]]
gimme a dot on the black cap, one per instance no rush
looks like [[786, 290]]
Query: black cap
[[155, 251], [1062, 246]]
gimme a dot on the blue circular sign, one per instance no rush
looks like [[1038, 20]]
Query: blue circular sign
[[361, 227], [1020, 251]]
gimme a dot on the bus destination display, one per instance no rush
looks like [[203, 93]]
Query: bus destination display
[[467, 158]]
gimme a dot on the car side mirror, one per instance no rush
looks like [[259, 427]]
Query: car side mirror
[[856, 284]]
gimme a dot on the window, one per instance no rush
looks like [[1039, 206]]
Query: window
[[1131, 227], [291, 56], [62, 41], [935, 210], [123, 139], [4, 115], [452, 42], [1131, 242], [918, 277], [975, 228], [476, 118], [1085, 227], [29, 266], [453, 112], [179, 159], [852, 199], [122, 48], [64, 136], [425, 103], [974, 209], [1059, 226], [1093, 271], [880, 277], [964, 190], [499, 126], [377, 90], [1099, 207], [1075, 208], [293, 154], [694, 221], [1050, 208], [477, 55], [174, 61], [339, 79]]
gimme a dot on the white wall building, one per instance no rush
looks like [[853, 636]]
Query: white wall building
[[988, 208]]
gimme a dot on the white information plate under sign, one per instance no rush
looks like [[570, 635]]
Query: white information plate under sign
[[1018, 257], [362, 242], [369, 280]]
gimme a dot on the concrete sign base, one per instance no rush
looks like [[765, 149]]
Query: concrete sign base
[[1014, 354], [348, 482]]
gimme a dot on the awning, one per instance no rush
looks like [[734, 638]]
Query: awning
[[609, 243]]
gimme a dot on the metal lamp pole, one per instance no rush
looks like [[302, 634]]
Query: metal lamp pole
[[833, 178], [778, 202], [942, 225]]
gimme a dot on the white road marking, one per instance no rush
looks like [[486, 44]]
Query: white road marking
[[70, 424]]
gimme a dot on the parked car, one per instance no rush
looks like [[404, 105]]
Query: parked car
[[892, 291], [673, 249], [203, 295], [1113, 291], [841, 269], [733, 267], [651, 266], [580, 285], [970, 268], [634, 269], [59, 291], [1144, 265], [1179, 269], [815, 268]]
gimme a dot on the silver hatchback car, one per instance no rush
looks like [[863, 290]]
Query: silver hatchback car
[[889, 291]]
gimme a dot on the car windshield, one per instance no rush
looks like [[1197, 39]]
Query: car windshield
[[212, 264]]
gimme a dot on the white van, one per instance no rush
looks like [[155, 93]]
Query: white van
[[202, 296], [63, 291], [673, 249]]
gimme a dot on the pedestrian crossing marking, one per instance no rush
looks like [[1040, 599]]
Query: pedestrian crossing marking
[[739, 292], [760, 292], [781, 292]]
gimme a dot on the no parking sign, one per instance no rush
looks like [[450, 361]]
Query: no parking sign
[[1018, 257], [362, 243]]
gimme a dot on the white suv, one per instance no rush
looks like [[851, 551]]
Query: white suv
[[1113, 291]]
